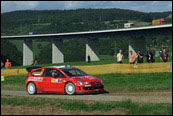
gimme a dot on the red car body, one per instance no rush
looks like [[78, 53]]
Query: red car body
[[61, 79]]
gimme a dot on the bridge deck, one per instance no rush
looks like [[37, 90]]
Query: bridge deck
[[87, 32]]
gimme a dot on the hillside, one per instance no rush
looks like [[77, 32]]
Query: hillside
[[61, 21]]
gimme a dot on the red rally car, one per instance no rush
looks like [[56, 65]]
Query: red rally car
[[61, 79]]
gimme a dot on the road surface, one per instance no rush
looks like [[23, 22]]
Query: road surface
[[142, 97]]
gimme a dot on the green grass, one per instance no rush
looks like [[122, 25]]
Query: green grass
[[112, 82], [42, 24], [18, 44], [139, 23], [14, 83], [137, 82], [77, 105]]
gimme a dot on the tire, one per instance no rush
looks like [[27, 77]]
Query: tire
[[70, 89], [31, 89]]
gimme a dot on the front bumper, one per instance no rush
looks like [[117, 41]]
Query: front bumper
[[90, 89], [93, 87]]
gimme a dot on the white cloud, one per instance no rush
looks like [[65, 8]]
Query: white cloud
[[71, 4]]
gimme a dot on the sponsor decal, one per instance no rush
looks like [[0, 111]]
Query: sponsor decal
[[38, 79], [56, 80]]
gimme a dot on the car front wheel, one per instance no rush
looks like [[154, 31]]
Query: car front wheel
[[31, 88], [70, 88]]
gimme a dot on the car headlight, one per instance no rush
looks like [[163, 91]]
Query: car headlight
[[82, 82]]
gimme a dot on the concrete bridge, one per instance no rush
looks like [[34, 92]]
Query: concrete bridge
[[137, 40]]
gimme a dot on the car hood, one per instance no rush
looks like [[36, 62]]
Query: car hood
[[86, 78]]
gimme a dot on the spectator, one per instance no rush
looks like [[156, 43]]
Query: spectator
[[131, 58], [2, 64], [7, 64], [89, 59], [164, 56], [149, 56], [140, 56], [120, 57], [34, 62]]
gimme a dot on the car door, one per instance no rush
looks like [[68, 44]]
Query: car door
[[59, 81], [53, 80]]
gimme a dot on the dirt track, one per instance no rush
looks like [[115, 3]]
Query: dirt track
[[50, 110], [142, 97]]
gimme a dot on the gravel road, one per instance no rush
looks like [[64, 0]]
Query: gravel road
[[142, 97]]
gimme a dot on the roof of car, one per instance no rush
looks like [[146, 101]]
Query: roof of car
[[63, 67]]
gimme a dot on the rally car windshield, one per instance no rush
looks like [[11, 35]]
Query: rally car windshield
[[74, 72]]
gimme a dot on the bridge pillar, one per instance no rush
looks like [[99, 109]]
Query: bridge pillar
[[27, 52], [92, 49], [57, 51], [136, 44]]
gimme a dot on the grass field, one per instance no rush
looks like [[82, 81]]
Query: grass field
[[137, 82], [39, 106], [112, 82]]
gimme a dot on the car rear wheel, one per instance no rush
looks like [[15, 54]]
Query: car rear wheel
[[70, 88], [31, 88]]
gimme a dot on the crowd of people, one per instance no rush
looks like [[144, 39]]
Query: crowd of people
[[140, 56]]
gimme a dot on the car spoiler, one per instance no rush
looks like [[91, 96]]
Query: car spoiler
[[29, 69]]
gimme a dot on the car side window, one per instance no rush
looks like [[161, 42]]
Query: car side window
[[74, 72], [52, 73], [37, 73], [47, 72], [61, 75]]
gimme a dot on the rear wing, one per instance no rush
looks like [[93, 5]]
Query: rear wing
[[29, 69]]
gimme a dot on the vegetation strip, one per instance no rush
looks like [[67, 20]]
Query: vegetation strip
[[88, 106]]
